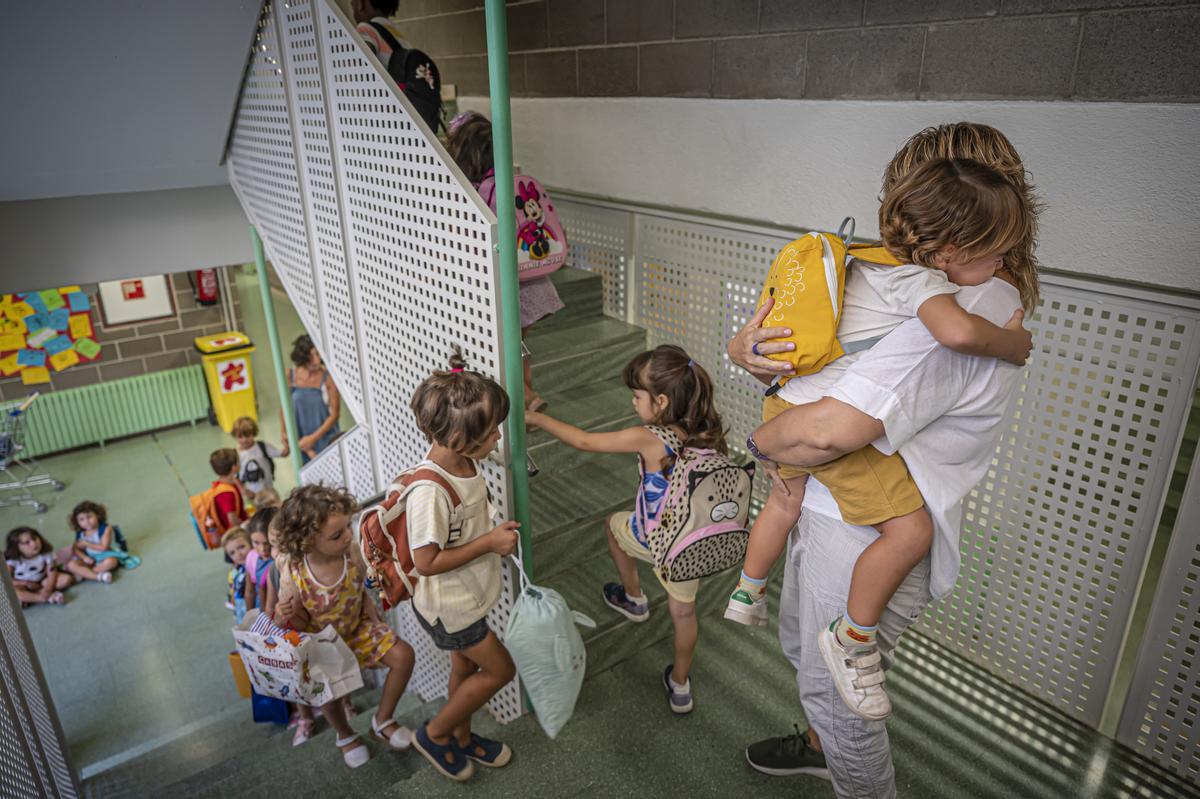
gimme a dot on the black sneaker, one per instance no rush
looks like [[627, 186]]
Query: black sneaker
[[787, 757]]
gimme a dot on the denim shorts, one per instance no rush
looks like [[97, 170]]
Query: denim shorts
[[453, 642]]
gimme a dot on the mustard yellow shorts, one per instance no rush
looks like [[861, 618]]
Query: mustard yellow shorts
[[868, 486], [618, 525]]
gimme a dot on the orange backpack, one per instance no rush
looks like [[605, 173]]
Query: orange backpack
[[383, 536], [205, 517]]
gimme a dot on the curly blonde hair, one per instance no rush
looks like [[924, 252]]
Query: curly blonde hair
[[305, 512], [990, 147]]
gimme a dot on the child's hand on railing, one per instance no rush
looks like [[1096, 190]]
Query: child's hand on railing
[[503, 539]]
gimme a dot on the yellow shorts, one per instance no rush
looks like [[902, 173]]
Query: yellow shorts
[[618, 525], [868, 486]]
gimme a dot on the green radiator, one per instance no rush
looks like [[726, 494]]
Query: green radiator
[[77, 417]]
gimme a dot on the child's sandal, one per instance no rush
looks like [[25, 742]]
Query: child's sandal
[[304, 731], [439, 756], [57, 598], [398, 741], [357, 756]]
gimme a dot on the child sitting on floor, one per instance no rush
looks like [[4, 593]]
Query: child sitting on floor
[[99, 547], [35, 575]]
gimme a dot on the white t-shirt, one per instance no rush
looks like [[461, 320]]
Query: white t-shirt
[[376, 41], [941, 410], [254, 471], [461, 597], [32, 570], [878, 298]]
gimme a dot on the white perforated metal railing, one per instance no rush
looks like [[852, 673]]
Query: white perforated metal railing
[[1057, 534], [1161, 718], [381, 244]]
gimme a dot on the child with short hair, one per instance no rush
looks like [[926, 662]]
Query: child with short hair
[[236, 543], [256, 459], [267, 498], [322, 583], [951, 223], [99, 547], [669, 390], [228, 504], [259, 560], [35, 575], [458, 554]]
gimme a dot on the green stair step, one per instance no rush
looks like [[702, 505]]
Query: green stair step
[[314, 769], [615, 638], [587, 353], [583, 295], [569, 508]]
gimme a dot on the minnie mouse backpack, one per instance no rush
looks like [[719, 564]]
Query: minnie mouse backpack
[[541, 242]]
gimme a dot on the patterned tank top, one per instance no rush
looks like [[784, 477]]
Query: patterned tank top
[[652, 493]]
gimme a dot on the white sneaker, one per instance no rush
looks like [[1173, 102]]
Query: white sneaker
[[744, 609], [858, 676]]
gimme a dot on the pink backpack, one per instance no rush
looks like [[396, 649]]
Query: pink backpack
[[541, 243]]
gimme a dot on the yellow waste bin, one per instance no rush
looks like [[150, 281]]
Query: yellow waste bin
[[226, 358]]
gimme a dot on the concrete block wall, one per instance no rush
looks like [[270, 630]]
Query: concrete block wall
[[137, 349], [1084, 50]]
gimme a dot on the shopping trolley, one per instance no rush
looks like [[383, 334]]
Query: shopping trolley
[[20, 472]]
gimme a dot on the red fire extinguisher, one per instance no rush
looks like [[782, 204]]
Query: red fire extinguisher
[[205, 287]]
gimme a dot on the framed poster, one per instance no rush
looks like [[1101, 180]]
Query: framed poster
[[137, 299]]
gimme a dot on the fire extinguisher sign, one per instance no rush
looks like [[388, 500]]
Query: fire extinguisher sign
[[234, 375]]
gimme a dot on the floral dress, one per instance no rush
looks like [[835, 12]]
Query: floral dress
[[343, 605]]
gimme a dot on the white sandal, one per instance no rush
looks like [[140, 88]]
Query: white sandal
[[399, 741], [357, 756]]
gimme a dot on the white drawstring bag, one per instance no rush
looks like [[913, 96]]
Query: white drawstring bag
[[548, 651]]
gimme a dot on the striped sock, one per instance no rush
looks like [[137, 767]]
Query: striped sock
[[751, 585], [853, 636]]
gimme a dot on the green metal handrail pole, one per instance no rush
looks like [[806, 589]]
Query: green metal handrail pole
[[285, 394], [510, 307]]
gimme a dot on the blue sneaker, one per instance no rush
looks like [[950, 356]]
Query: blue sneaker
[[680, 701], [447, 758], [487, 752], [616, 598]]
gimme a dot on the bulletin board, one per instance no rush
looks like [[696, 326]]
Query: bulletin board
[[45, 331]]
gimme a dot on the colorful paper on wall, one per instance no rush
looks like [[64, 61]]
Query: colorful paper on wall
[[58, 344], [78, 301], [81, 326], [31, 358], [52, 299], [9, 365], [87, 348], [36, 302], [70, 289], [64, 360], [41, 337], [35, 375], [37, 321], [11, 341], [60, 319], [18, 311]]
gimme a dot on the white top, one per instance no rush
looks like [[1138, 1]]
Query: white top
[[461, 597], [254, 471], [942, 410], [32, 570], [877, 299]]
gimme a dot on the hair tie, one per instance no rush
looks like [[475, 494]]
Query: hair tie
[[456, 369], [691, 363], [458, 121]]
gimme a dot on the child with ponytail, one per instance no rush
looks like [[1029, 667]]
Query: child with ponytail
[[673, 391]]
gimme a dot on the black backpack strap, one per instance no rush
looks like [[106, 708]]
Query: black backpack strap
[[389, 38], [262, 447]]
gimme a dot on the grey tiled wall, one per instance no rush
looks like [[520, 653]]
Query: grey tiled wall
[[131, 350], [1132, 50]]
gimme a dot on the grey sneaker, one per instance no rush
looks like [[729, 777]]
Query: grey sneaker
[[787, 756], [680, 701], [616, 598]]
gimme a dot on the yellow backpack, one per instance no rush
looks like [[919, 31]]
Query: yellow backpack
[[807, 280]]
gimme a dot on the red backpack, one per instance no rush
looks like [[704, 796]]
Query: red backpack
[[383, 535]]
